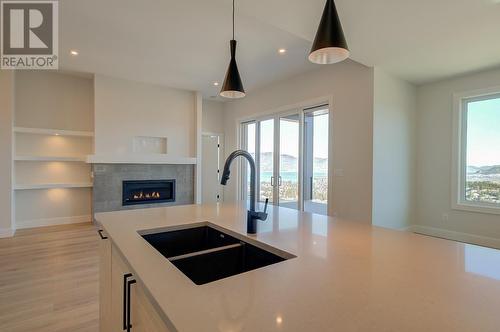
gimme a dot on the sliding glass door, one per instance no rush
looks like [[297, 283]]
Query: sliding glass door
[[265, 163], [291, 155], [288, 177], [315, 168], [249, 139]]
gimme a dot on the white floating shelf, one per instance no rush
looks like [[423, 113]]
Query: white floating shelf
[[45, 131], [49, 158], [52, 186], [140, 159]]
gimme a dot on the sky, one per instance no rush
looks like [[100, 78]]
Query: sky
[[289, 131], [483, 133]]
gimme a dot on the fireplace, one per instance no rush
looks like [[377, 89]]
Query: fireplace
[[148, 192]]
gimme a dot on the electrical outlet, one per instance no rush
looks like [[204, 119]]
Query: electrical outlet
[[445, 217]]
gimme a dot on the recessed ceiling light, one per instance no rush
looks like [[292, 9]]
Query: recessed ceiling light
[[282, 51], [216, 83], [56, 134], [73, 52]]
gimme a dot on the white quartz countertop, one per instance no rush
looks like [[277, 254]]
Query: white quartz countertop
[[347, 276]]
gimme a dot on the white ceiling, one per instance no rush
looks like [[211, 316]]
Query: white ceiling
[[185, 44]]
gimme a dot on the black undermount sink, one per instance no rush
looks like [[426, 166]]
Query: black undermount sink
[[205, 254]]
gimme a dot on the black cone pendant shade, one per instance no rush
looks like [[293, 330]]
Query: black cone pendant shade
[[232, 87], [329, 45]]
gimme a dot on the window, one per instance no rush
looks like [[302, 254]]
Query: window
[[478, 152]]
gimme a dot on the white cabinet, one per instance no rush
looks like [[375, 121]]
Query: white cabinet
[[123, 301]]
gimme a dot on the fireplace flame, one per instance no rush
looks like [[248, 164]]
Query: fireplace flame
[[151, 195]]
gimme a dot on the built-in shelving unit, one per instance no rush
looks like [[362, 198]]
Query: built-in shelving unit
[[140, 159], [52, 181], [49, 158], [52, 186], [56, 132]]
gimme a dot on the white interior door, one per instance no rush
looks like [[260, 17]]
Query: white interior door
[[210, 169]]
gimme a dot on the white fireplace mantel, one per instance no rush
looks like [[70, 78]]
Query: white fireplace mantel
[[140, 159]]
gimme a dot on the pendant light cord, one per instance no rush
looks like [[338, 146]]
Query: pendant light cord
[[233, 19]]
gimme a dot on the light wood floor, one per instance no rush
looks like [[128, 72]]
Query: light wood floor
[[49, 280]]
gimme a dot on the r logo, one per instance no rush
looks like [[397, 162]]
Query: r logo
[[29, 34], [27, 28]]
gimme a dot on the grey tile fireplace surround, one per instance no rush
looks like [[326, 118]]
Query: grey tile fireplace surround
[[108, 179]]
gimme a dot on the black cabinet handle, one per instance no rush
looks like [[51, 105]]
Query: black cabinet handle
[[100, 234], [129, 283], [125, 277]]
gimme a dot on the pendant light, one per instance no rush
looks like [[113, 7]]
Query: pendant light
[[232, 87], [329, 45]]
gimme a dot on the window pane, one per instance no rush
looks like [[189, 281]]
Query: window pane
[[316, 161], [288, 180], [250, 140], [483, 151], [266, 160], [320, 155]]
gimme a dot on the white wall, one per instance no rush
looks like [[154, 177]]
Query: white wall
[[35, 208], [54, 100], [394, 151], [434, 163], [350, 85], [6, 121], [126, 109], [213, 117]]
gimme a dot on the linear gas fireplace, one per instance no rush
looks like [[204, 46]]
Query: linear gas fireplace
[[148, 191]]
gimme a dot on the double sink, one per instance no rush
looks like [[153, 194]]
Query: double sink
[[205, 254]]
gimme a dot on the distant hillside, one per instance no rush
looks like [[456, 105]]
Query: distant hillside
[[289, 163], [483, 170]]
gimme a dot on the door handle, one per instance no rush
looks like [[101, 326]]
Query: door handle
[[129, 284], [125, 297], [272, 181], [312, 187], [100, 234], [280, 182]]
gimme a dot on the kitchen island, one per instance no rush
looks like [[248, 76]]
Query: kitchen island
[[340, 276]]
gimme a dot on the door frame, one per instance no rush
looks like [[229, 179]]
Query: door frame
[[220, 159]]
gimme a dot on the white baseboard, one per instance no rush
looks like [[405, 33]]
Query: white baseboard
[[404, 229], [52, 221], [457, 236], [6, 232]]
